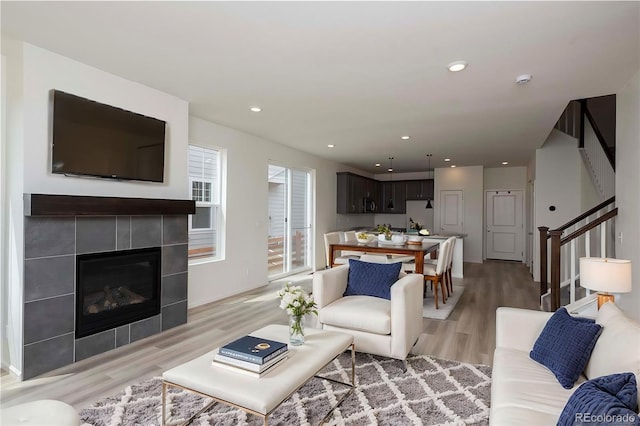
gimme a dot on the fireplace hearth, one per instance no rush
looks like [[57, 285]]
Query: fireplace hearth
[[62, 230], [116, 288]]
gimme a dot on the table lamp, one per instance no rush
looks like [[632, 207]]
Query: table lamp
[[605, 276]]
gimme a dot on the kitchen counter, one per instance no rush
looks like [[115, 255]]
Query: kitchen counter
[[404, 231], [445, 236]]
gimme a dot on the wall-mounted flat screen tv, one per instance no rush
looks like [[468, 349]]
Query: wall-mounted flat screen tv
[[94, 139]]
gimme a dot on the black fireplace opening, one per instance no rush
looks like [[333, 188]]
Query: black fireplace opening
[[116, 288]]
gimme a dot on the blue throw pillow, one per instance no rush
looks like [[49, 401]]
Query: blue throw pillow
[[565, 345], [604, 400], [371, 279]]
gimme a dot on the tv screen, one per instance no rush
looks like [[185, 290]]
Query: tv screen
[[94, 139]]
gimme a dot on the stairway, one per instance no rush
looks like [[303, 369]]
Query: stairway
[[592, 122]]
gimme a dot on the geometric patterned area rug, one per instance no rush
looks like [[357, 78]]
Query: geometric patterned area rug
[[429, 309], [431, 392]]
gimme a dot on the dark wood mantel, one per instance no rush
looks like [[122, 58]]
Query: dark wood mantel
[[80, 205]]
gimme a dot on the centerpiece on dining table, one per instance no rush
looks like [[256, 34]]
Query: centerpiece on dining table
[[385, 236], [384, 230]]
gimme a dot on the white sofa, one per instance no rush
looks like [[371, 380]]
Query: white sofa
[[45, 412], [381, 327], [524, 392]]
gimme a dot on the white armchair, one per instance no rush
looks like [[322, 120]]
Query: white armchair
[[381, 327]]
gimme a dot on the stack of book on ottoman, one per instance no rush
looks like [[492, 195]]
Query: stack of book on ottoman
[[251, 355]]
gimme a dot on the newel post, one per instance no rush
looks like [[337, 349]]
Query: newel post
[[555, 269], [543, 258]]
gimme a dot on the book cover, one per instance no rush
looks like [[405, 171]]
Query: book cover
[[258, 368], [253, 349], [248, 372]]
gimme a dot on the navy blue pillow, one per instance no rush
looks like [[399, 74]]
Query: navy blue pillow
[[371, 279], [603, 400], [565, 345]]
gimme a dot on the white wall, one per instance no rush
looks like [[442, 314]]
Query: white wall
[[628, 187], [44, 71], [470, 181], [589, 196], [505, 178], [532, 232], [4, 353], [557, 183], [31, 73], [247, 158], [12, 217]]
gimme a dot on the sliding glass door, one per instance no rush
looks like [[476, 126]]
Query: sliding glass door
[[290, 216]]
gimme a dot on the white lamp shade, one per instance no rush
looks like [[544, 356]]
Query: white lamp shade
[[603, 274]]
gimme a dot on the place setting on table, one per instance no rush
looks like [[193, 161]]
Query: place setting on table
[[383, 240], [385, 236]]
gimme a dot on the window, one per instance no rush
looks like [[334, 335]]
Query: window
[[201, 194], [204, 180]]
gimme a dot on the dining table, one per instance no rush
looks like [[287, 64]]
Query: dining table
[[418, 251]]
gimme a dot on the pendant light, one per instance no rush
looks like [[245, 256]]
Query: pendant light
[[429, 206], [390, 203]]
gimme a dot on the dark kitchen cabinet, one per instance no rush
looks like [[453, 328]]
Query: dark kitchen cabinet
[[352, 190], [395, 191], [419, 189]]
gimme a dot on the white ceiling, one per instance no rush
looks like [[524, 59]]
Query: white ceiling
[[358, 74]]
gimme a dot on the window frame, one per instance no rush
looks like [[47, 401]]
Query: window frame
[[209, 204], [217, 213]]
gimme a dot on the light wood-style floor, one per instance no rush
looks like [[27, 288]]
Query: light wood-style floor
[[468, 335]]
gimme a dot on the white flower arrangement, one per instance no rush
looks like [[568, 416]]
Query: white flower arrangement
[[296, 301]]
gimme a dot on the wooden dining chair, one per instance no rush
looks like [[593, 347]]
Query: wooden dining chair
[[341, 258], [449, 284], [350, 236], [436, 273]]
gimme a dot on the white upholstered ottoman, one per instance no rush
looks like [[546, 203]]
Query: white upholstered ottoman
[[260, 396], [46, 412]]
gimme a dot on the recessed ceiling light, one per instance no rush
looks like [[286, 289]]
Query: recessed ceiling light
[[377, 164], [405, 137], [504, 163], [389, 169], [447, 159], [457, 66], [453, 166], [256, 109], [331, 145]]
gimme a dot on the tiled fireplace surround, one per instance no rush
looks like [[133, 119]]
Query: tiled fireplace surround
[[51, 246]]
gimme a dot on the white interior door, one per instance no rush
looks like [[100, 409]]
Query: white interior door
[[505, 230], [451, 212]]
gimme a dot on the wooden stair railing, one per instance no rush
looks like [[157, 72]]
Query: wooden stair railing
[[572, 123], [557, 241], [587, 114]]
